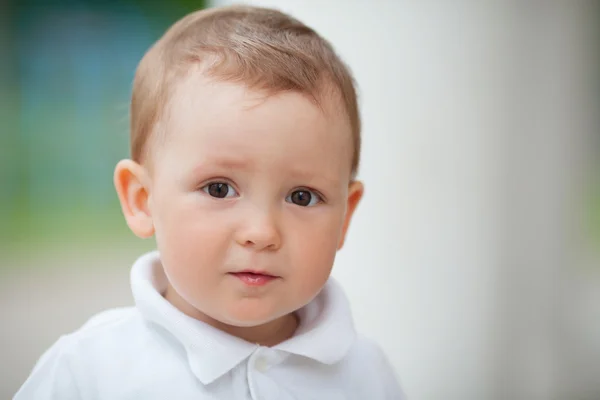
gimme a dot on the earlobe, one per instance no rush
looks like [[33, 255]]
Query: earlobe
[[355, 193], [130, 181]]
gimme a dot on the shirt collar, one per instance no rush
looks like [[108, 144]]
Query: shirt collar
[[325, 334]]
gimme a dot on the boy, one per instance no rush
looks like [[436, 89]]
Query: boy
[[245, 141]]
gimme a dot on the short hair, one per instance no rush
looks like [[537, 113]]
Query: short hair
[[259, 47]]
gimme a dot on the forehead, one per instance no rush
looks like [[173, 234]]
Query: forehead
[[208, 119]]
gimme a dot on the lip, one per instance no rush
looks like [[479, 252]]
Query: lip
[[253, 277]]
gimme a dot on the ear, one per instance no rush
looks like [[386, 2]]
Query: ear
[[355, 193], [131, 182]]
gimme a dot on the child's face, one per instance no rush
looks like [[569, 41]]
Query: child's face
[[244, 182]]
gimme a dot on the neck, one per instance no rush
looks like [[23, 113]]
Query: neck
[[269, 334]]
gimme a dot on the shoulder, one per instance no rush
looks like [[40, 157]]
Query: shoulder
[[367, 349], [111, 328], [368, 360], [108, 318], [88, 353], [61, 372], [114, 327], [99, 328], [119, 331]]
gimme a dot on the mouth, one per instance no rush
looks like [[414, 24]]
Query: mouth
[[254, 278]]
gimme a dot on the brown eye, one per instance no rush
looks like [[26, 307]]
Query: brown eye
[[304, 198], [219, 190]]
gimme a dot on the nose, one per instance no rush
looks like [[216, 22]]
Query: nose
[[259, 231]]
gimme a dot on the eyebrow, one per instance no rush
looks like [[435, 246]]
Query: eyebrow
[[224, 162], [308, 176]]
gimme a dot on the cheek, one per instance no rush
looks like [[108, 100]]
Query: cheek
[[314, 244], [189, 237]]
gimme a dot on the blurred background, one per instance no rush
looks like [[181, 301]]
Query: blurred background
[[475, 257]]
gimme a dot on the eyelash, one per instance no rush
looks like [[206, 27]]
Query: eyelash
[[315, 193], [206, 187], [320, 198]]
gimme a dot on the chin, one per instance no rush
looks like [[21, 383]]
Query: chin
[[250, 318], [248, 321]]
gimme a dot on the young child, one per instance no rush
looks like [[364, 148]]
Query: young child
[[245, 141]]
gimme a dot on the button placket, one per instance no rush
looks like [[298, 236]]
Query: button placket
[[255, 361], [261, 364]]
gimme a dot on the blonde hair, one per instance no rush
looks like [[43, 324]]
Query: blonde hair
[[259, 47]]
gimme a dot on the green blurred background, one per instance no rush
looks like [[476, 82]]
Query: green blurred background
[[67, 68]]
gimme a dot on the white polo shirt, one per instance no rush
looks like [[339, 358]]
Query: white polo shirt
[[154, 351]]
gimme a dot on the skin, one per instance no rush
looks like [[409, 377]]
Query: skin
[[260, 150]]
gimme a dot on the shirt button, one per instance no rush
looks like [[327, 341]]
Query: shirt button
[[261, 364]]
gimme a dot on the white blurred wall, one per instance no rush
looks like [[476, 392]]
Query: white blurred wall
[[465, 259]]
